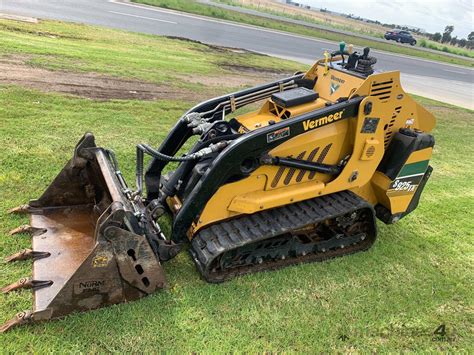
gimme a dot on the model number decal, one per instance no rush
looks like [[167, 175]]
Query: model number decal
[[279, 134], [403, 186]]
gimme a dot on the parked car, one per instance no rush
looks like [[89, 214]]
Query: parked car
[[400, 36]]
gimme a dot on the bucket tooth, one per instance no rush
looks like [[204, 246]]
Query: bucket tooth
[[26, 254], [19, 319], [26, 228], [22, 209], [27, 283]]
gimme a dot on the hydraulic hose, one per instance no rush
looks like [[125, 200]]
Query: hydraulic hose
[[143, 148], [158, 155], [113, 160]]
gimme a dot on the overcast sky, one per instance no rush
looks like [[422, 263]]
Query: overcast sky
[[430, 15]]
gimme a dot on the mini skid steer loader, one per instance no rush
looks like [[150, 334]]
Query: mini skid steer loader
[[300, 179]]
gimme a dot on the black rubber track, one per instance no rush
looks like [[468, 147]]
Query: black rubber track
[[213, 242]]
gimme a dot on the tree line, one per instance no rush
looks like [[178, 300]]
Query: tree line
[[446, 37]]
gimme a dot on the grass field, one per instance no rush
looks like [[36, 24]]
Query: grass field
[[80, 48], [417, 276], [207, 10], [317, 17]]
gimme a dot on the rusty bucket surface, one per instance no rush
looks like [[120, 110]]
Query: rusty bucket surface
[[87, 245]]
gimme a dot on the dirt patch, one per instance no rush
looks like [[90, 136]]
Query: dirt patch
[[90, 85], [14, 70]]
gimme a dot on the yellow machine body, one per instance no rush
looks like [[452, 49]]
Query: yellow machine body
[[271, 186]]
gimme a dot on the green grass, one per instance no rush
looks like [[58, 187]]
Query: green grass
[[417, 276], [212, 11], [80, 48], [445, 47]]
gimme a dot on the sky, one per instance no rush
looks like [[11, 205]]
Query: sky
[[430, 15]]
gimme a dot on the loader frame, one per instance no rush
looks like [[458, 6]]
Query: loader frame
[[213, 109], [254, 144]]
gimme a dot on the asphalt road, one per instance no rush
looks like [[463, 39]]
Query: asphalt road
[[342, 33], [448, 83]]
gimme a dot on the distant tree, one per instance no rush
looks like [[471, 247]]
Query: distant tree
[[436, 37], [453, 41], [447, 34], [470, 44], [470, 36], [462, 42]]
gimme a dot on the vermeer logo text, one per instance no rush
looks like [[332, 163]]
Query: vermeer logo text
[[318, 122]]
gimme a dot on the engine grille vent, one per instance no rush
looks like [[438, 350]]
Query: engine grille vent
[[291, 171], [389, 127], [381, 90]]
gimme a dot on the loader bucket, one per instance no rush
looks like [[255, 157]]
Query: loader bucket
[[86, 249]]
